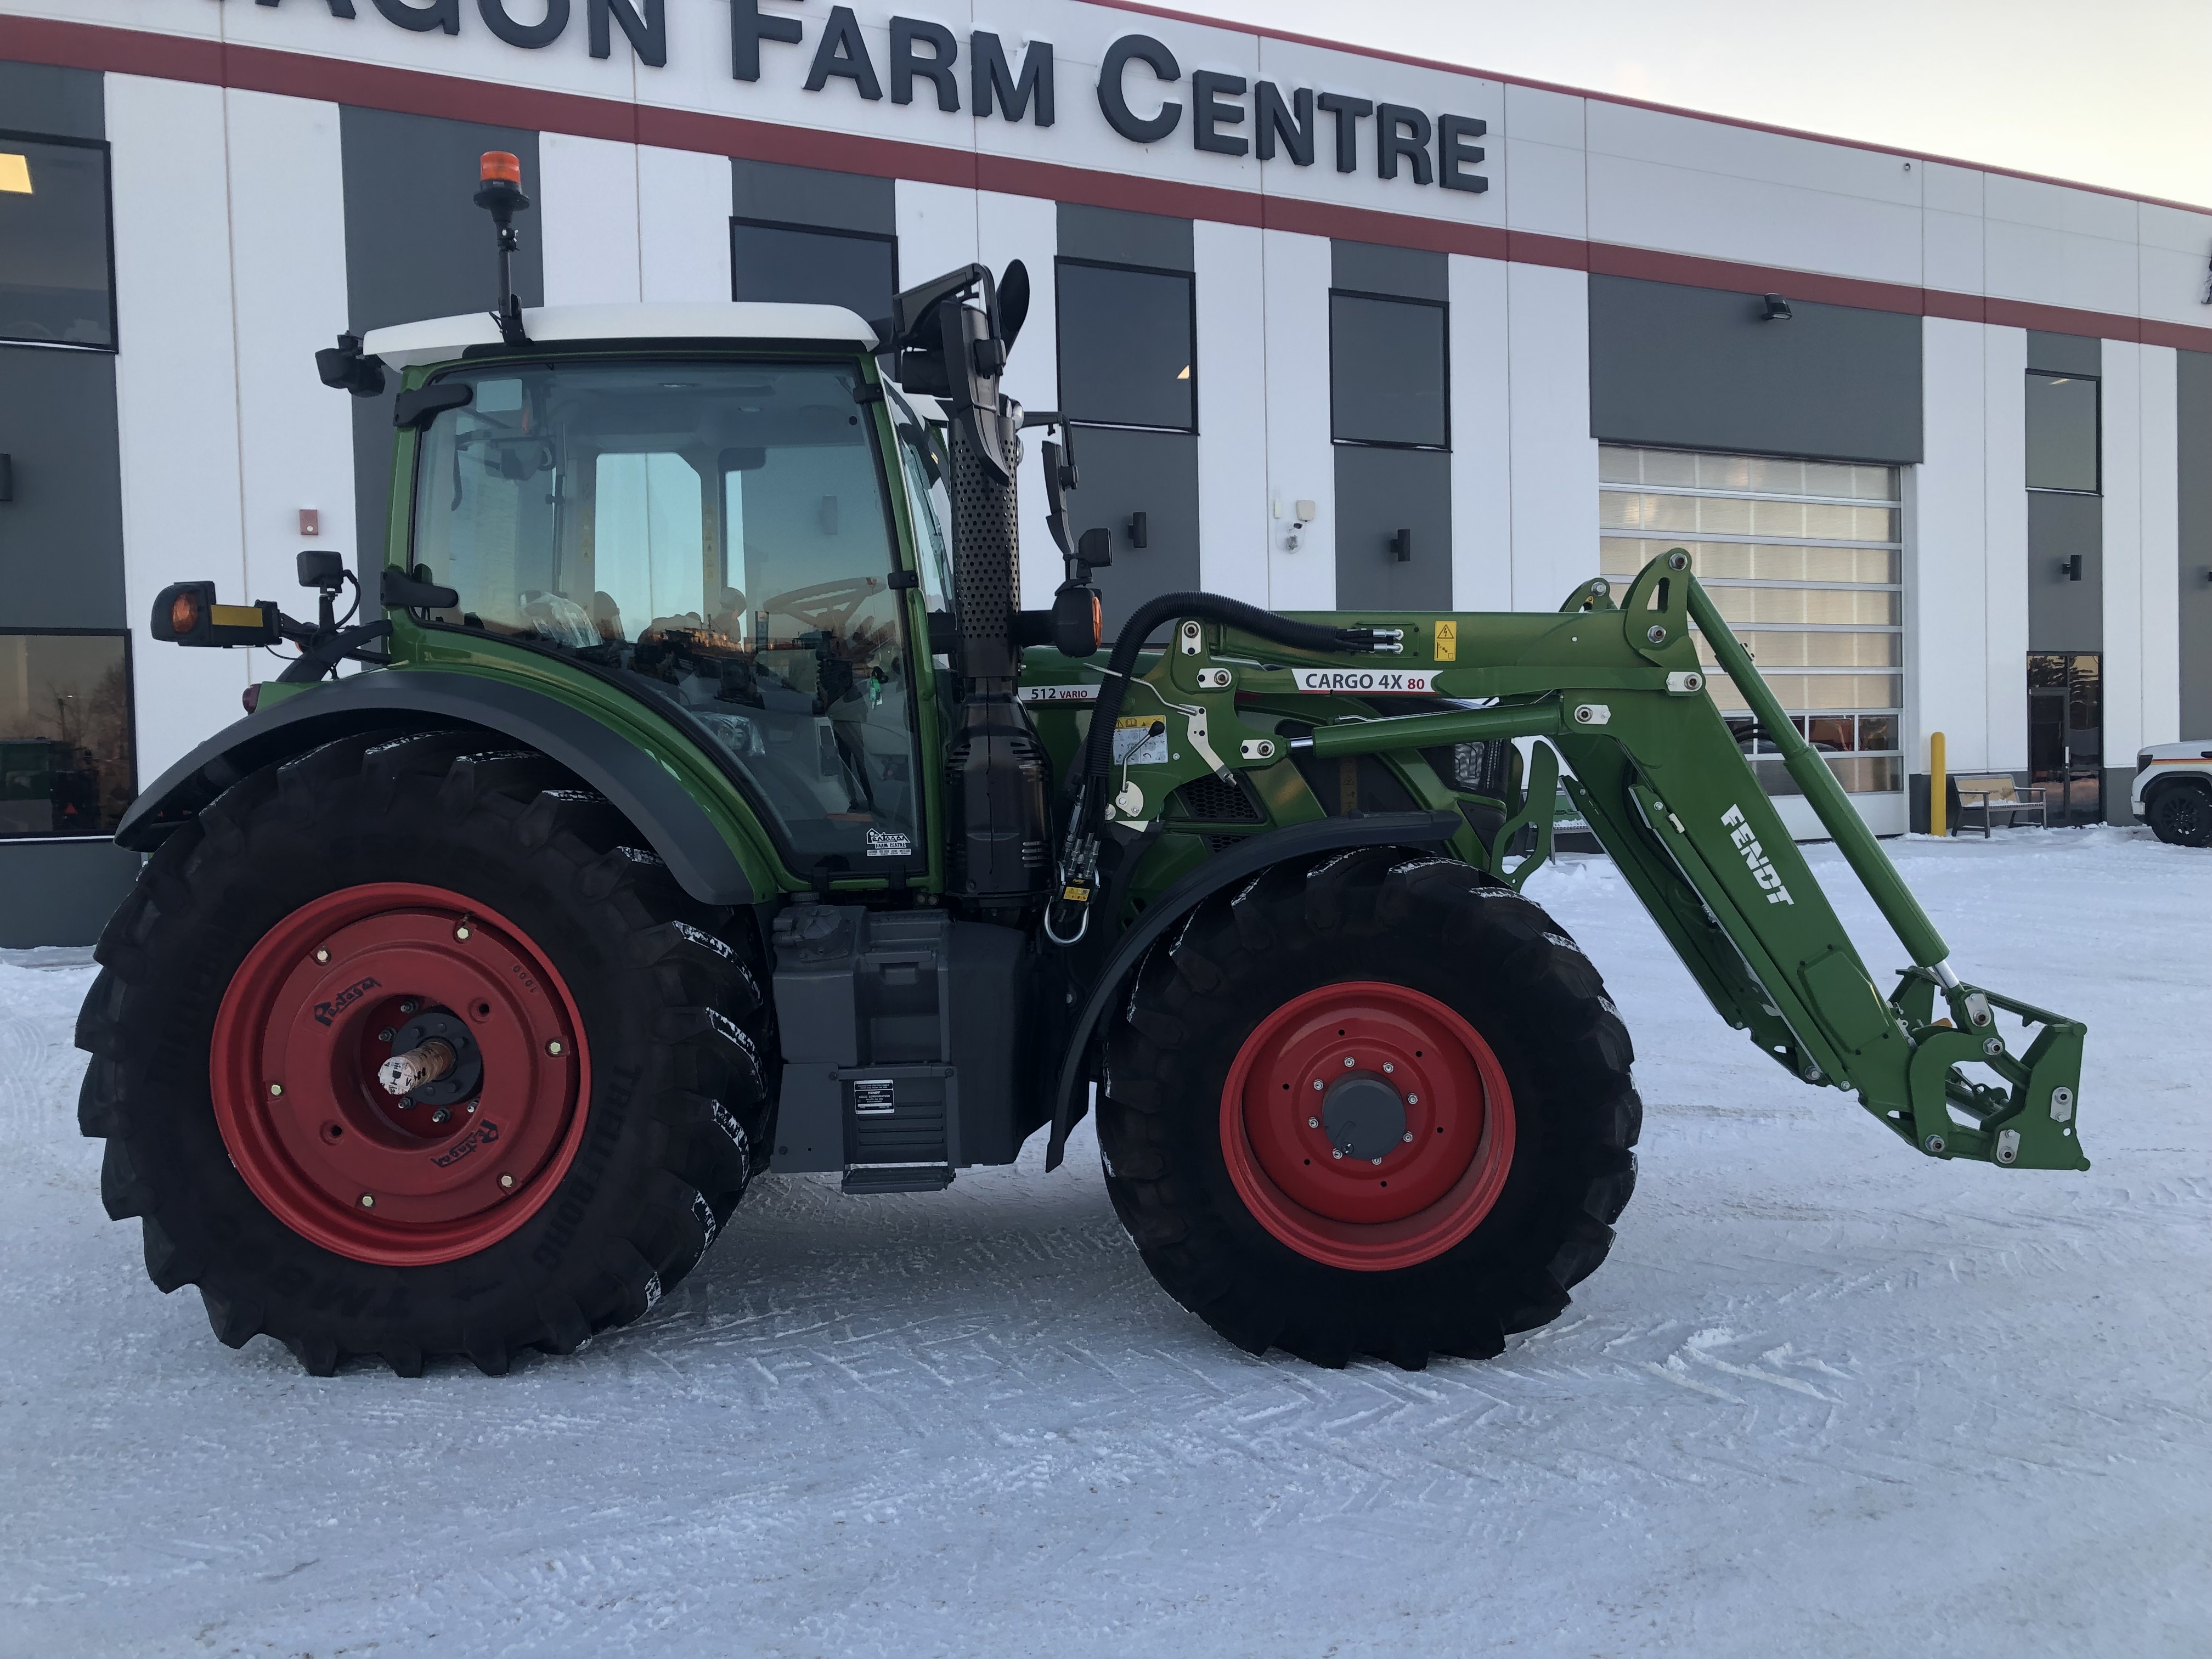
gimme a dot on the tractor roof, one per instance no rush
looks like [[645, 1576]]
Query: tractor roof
[[404, 345]]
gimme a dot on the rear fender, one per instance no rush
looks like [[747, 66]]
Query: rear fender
[[640, 788], [1233, 868]]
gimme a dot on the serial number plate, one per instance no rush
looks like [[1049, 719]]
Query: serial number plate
[[875, 1094], [1367, 682]]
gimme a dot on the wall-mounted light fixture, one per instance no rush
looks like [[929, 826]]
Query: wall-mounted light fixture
[[1140, 533], [7, 477], [1773, 308], [2071, 568], [1401, 547]]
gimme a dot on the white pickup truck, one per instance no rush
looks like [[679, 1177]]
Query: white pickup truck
[[2173, 792]]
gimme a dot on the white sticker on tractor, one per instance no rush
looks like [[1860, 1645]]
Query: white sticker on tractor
[[1367, 682], [1140, 740], [1754, 858]]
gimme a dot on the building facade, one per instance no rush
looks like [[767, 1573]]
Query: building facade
[[1336, 328]]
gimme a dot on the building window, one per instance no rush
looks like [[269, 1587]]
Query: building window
[[67, 766], [1804, 558], [1388, 371], [1127, 355], [808, 266], [57, 266], [2061, 432]]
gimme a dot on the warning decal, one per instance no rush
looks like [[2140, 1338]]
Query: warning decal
[[1447, 641]]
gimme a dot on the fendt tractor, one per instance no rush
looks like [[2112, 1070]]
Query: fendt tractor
[[705, 804]]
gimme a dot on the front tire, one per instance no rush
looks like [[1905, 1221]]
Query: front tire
[[2181, 816], [605, 1092], [1459, 1141]]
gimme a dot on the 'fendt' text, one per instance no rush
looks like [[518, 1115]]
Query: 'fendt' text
[[1755, 857]]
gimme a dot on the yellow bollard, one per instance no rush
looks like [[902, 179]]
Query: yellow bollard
[[1939, 788]]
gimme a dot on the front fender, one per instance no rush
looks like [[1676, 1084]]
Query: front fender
[[643, 790], [1237, 865]]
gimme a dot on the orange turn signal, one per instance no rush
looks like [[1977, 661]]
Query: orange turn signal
[[185, 615], [499, 164]]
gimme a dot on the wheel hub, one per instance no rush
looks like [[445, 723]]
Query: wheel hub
[[493, 1096], [1367, 1125]]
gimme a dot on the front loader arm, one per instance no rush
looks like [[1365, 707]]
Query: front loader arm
[[1621, 694]]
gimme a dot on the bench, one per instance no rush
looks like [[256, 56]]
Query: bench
[[1992, 795]]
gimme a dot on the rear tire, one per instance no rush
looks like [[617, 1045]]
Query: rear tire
[[2181, 816], [1247, 1209], [622, 1026]]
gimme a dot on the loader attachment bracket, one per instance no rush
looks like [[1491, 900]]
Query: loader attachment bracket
[[2028, 1125]]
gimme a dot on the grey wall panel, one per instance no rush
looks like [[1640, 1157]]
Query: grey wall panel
[[61, 538], [813, 196], [68, 103], [2064, 615], [417, 245], [2194, 607], [2064, 354], [1414, 273], [1125, 472], [1380, 492], [1695, 368], [61, 892], [1127, 239]]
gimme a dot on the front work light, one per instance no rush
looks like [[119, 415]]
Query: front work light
[[186, 613]]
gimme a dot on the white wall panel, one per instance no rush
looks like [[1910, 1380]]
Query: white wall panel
[[2125, 582], [1024, 227], [2058, 267], [176, 386], [587, 219], [684, 201], [1726, 150], [1555, 457], [2159, 628], [937, 229], [1301, 461], [1947, 561], [1481, 436], [1951, 251], [1232, 412], [1642, 203], [295, 433], [2004, 414], [1546, 188]]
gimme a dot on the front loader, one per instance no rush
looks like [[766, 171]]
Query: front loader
[[704, 804]]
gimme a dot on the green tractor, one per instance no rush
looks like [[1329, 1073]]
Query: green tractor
[[707, 805]]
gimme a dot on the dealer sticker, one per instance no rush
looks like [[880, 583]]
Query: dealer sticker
[[1367, 682]]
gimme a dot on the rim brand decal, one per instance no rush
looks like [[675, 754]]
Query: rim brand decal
[[483, 1135], [1367, 682], [327, 1011], [1754, 858]]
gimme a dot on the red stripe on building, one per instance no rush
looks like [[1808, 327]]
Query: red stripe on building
[[412, 92]]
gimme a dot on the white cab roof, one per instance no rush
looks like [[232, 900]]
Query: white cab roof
[[404, 346]]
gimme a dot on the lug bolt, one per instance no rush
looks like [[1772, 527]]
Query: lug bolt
[[1317, 1083], [275, 1089], [1387, 1066], [405, 1103], [368, 1200], [472, 1106], [1413, 1100], [321, 955], [386, 1034], [1409, 1135], [409, 1006], [1347, 1062], [1313, 1123], [1376, 1162], [461, 932], [506, 1181], [1333, 1152], [440, 1115], [554, 1047]]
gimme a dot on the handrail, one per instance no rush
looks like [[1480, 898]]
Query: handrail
[[1830, 804]]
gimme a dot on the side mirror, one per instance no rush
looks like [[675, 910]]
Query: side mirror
[[1096, 548]]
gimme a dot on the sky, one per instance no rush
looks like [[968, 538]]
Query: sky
[[2116, 93]]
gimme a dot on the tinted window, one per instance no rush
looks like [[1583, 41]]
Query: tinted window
[[54, 267], [1126, 352], [66, 761], [715, 533], [1387, 371], [795, 265], [2062, 432]]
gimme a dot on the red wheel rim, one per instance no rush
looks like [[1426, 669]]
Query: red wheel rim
[[301, 1032], [1367, 1126]]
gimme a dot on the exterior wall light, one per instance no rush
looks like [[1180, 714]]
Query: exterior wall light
[[1773, 308]]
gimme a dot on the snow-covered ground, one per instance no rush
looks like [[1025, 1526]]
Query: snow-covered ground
[[1827, 1397]]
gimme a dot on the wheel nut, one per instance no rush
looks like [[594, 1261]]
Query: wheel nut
[[1313, 1123], [321, 955], [1387, 1066], [1409, 1135], [275, 1089], [1376, 1162], [506, 1181], [554, 1047], [386, 1034], [409, 1006], [1347, 1061], [1413, 1100], [368, 1200], [1317, 1083], [440, 1115], [461, 932]]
